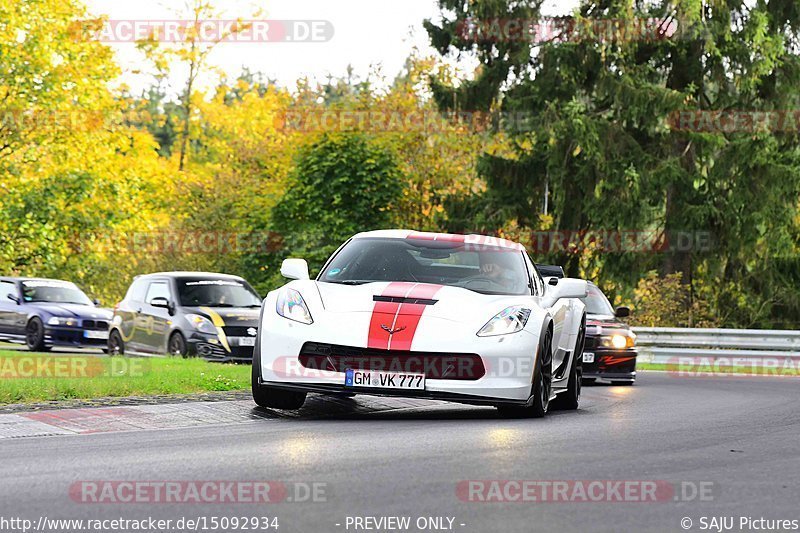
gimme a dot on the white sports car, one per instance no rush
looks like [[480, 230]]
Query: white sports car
[[464, 318]]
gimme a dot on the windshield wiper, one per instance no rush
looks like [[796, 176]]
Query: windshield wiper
[[351, 282]]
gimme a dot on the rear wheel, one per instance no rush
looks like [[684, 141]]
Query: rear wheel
[[570, 399], [34, 335], [177, 345], [540, 390], [116, 346]]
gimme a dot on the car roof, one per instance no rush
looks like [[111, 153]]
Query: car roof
[[27, 278], [187, 274], [473, 239]]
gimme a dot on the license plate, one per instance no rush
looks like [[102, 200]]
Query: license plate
[[247, 341], [588, 358], [96, 335], [383, 380]]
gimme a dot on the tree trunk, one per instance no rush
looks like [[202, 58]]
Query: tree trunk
[[187, 109]]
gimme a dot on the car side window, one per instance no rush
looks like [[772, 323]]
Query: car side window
[[137, 290], [531, 274], [6, 288], [538, 284], [157, 289]]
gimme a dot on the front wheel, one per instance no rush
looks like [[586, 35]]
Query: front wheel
[[274, 398], [540, 390], [34, 335]]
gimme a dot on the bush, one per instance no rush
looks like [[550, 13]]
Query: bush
[[668, 302]]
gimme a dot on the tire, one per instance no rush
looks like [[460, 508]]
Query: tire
[[571, 398], [116, 346], [176, 346], [539, 400], [34, 335], [270, 396]]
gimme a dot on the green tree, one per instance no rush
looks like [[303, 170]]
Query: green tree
[[342, 184], [599, 137]]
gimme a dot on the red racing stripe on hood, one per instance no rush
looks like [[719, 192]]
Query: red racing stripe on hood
[[393, 325]]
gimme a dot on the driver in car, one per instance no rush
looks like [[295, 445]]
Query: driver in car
[[492, 269]]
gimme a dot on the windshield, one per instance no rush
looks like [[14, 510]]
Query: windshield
[[53, 291], [216, 293], [596, 302], [480, 268]]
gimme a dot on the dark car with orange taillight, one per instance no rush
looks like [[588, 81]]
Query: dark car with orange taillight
[[610, 349]]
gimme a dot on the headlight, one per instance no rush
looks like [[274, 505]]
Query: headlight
[[510, 320], [618, 341], [291, 305], [201, 323], [59, 321]]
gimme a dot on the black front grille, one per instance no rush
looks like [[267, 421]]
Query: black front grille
[[214, 351], [101, 325], [237, 331], [435, 365]]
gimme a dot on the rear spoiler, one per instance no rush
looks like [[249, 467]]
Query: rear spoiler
[[550, 271]]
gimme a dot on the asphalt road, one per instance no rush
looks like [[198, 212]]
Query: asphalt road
[[738, 435]]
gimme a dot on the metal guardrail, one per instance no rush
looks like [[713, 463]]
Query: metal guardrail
[[722, 347]]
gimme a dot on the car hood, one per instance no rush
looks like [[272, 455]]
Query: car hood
[[74, 310], [604, 321], [450, 303], [231, 316]]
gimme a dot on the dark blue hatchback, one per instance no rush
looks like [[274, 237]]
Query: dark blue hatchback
[[44, 313]]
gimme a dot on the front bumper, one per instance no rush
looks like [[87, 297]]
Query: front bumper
[[469, 399], [508, 359], [210, 348], [611, 364], [74, 337]]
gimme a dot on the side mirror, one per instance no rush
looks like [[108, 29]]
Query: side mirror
[[160, 302], [550, 270], [622, 311], [295, 269], [566, 288], [13, 298]]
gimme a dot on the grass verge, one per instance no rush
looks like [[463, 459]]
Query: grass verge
[[709, 370], [34, 377]]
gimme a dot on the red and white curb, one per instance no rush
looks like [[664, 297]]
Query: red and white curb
[[128, 418]]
